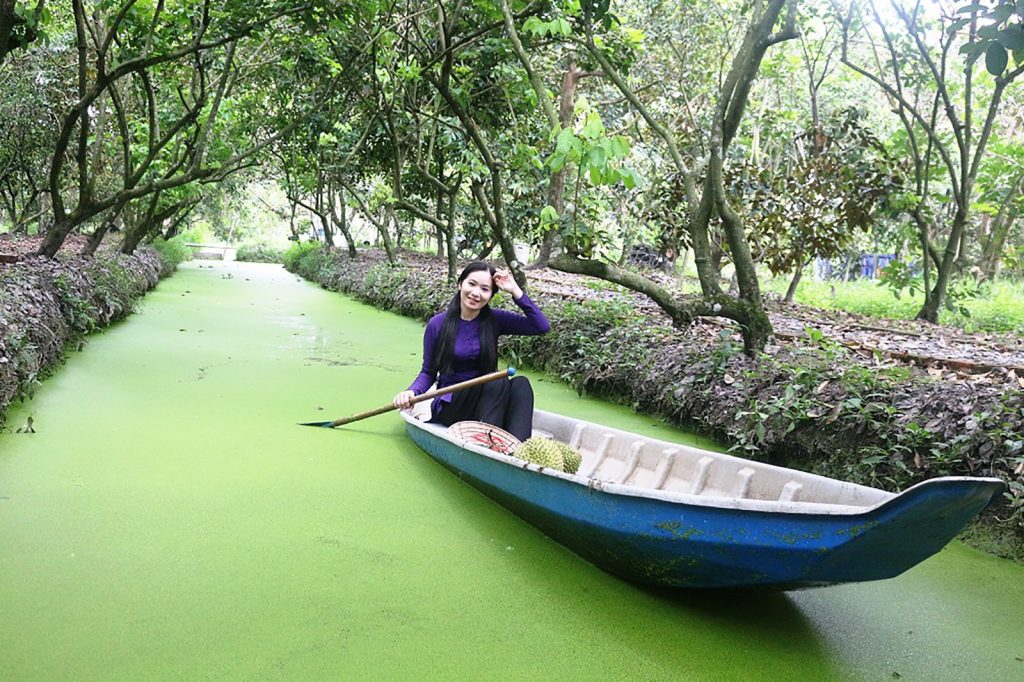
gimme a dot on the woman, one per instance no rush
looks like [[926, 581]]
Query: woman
[[461, 343]]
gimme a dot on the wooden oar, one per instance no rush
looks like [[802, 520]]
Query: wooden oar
[[429, 395]]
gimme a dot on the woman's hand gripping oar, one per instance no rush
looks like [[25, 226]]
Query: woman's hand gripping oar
[[429, 395]]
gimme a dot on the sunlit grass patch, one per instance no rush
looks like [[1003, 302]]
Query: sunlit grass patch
[[1000, 309]]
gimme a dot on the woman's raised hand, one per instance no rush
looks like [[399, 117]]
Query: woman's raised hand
[[503, 280]]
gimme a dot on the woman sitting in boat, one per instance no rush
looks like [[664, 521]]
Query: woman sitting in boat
[[461, 343]]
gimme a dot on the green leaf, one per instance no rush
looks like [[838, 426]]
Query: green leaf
[[991, 31], [973, 7], [957, 25], [972, 50], [548, 215], [534, 25], [1012, 38], [1001, 13], [556, 162], [577, 149], [995, 59], [596, 158], [620, 147], [565, 140], [594, 127]]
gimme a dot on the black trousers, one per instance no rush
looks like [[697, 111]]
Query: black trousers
[[505, 403]]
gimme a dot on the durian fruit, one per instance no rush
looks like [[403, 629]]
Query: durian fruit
[[542, 451], [571, 456]]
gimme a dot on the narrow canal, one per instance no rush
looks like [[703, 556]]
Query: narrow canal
[[169, 520]]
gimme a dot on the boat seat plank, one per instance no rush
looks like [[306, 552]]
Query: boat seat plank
[[668, 459], [577, 435], [744, 477], [790, 492], [700, 479], [632, 460], [599, 454]]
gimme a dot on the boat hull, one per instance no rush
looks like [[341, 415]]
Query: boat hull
[[668, 543]]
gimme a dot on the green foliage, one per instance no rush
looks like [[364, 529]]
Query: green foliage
[[897, 276], [310, 263], [600, 160], [173, 251], [297, 252], [75, 306], [199, 232], [1015, 499], [259, 252], [585, 343], [554, 28], [833, 182], [961, 289], [1001, 33]]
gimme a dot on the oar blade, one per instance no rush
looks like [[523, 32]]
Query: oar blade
[[326, 425]]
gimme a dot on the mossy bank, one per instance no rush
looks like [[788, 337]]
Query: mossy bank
[[47, 306], [814, 406]]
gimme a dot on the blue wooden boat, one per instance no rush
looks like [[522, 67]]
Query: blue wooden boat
[[665, 514]]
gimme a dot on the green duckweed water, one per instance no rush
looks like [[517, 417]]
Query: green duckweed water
[[169, 520]]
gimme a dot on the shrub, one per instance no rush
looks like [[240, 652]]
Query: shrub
[[258, 252], [297, 252], [311, 262], [172, 251]]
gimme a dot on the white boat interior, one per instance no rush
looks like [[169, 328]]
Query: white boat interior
[[623, 462]]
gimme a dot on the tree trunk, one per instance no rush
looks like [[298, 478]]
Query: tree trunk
[[132, 239], [54, 238], [1001, 225], [450, 236], [936, 296], [493, 207], [994, 248], [96, 238], [438, 230], [340, 218], [556, 184], [323, 206], [795, 282]]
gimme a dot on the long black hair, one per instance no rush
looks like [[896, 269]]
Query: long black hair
[[444, 349]]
